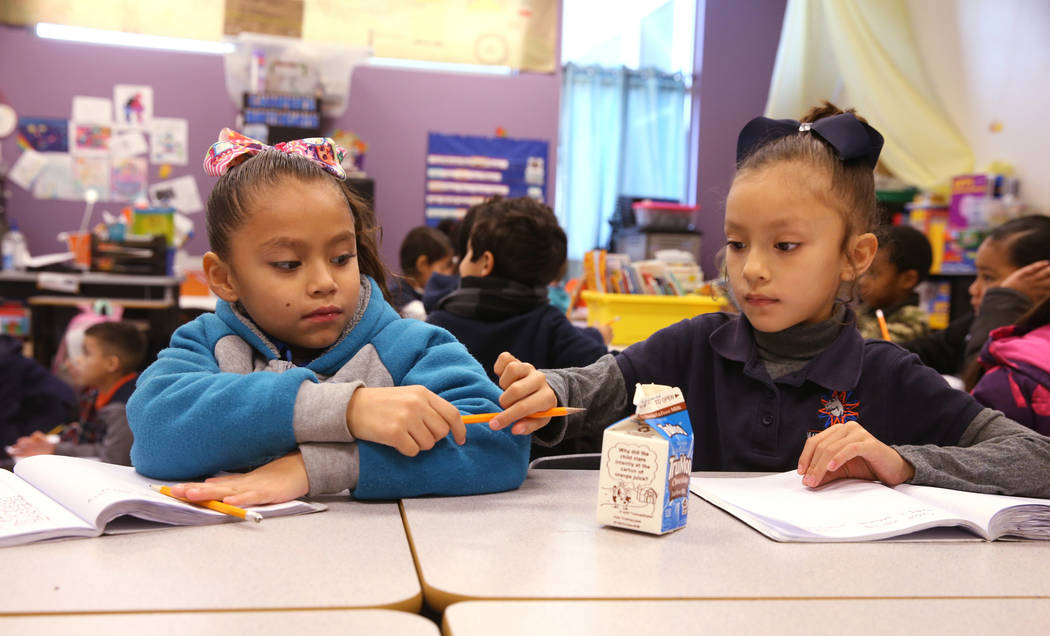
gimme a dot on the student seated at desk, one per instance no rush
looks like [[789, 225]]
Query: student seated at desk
[[305, 374], [31, 398], [1013, 275], [424, 252], [789, 384], [902, 262], [113, 354]]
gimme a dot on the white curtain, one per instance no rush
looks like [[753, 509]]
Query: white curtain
[[862, 54], [620, 132]]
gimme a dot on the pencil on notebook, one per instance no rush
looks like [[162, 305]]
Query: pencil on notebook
[[882, 324], [211, 504], [555, 412]]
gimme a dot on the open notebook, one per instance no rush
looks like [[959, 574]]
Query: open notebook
[[781, 508], [52, 496]]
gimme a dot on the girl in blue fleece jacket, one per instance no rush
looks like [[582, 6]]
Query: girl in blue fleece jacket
[[304, 375]]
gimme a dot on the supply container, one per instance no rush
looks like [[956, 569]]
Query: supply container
[[635, 317]]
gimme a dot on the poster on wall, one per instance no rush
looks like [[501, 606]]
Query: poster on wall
[[43, 134], [462, 171], [132, 105]]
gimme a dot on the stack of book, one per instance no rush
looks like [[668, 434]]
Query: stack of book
[[613, 273]]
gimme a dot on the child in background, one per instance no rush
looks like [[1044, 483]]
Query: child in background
[[113, 353], [31, 398], [902, 262], [1015, 363], [515, 249], [789, 384], [424, 251], [1013, 275], [304, 374]]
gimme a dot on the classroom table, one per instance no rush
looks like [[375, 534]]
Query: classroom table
[[257, 623], [542, 542], [353, 555], [812, 617]]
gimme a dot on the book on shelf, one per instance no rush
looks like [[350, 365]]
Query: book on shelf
[[54, 496], [783, 509]]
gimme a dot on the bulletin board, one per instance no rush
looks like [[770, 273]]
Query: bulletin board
[[462, 171]]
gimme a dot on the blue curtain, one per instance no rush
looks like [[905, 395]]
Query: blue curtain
[[621, 132]]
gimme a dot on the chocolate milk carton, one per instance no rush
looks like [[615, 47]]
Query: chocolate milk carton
[[646, 460]]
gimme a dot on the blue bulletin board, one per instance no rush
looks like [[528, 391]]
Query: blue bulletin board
[[462, 171]]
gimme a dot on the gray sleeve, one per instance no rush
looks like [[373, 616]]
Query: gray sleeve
[[320, 411], [330, 468], [995, 455], [115, 445], [599, 387], [1001, 306]]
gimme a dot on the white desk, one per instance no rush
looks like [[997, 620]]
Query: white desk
[[795, 617], [257, 623], [542, 542], [354, 555]]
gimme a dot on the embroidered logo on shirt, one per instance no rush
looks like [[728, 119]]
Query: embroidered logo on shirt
[[836, 408]]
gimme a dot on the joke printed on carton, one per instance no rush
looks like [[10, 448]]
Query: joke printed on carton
[[632, 469]]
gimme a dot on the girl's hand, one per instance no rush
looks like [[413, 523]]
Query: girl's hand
[[525, 391], [409, 418], [845, 451], [35, 444], [606, 330], [281, 480], [1032, 280]]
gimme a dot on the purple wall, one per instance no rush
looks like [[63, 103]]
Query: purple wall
[[391, 109], [739, 47]]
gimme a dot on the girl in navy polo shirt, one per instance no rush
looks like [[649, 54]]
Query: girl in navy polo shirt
[[788, 382]]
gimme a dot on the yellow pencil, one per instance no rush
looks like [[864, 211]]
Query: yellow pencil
[[882, 324], [211, 504], [554, 412], [56, 430]]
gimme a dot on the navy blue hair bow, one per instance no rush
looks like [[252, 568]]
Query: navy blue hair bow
[[847, 135]]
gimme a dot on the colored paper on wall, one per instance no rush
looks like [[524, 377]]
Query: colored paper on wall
[[97, 110], [89, 139], [128, 177], [43, 134], [56, 179], [168, 140], [127, 143], [462, 171], [181, 194], [92, 173], [132, 105], [26, 168]]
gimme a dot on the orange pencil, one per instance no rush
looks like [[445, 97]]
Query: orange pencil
[[882, 324], [477, 418], [211, 504]]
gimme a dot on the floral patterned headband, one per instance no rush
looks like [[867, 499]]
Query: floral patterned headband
[[232, 148]]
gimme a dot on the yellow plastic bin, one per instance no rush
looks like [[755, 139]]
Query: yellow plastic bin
[[640, 315]]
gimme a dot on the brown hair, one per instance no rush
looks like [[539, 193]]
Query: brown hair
[[524, 237], [423, 241], [852, 191], [234, 193], [122, 339]]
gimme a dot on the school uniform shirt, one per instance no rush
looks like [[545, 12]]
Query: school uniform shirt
[[491, 315], [102, 430], [743, 420], [222, 398], [1017, 375], [31, 398]]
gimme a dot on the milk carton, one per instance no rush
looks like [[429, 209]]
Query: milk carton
[[646, 460]]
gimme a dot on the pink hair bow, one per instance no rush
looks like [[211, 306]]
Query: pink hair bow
[[232, 148]]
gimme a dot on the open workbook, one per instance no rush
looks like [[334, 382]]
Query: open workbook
[[781, 508], [52, 496]]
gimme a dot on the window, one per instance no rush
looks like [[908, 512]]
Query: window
[[624, 127]]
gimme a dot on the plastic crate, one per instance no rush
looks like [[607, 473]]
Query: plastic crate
[[641, 315]]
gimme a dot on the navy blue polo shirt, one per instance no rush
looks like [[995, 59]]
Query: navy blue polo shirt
[[743, 420]]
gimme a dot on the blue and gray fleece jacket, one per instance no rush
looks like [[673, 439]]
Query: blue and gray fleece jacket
[[220, 398]]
